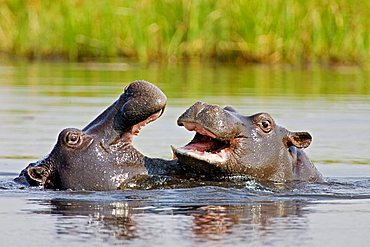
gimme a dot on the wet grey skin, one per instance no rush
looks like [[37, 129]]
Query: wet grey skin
[[227, 143], [101, 155]]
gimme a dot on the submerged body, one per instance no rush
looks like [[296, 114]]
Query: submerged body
[[227, 143]]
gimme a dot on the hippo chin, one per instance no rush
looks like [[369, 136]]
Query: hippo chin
[[101, 155], [227, 143]]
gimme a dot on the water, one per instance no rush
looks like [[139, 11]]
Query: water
[[38, 100]]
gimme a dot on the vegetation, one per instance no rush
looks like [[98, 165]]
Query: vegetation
[[267, 31]]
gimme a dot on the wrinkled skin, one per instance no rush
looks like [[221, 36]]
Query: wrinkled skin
[[227, 143], [101, 155]]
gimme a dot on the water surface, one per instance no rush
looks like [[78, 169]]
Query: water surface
[[38, 100]]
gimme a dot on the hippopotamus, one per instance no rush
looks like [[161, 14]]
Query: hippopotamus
[[227, 143], [101, 156]]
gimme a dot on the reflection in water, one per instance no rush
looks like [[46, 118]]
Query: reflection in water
[[83, 219], [186, 81], [256, 218], [213, 222], [130, 219]]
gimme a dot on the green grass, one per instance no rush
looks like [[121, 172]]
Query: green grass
[[266, 31]]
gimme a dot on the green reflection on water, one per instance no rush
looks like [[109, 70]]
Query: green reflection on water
[[187, 81]]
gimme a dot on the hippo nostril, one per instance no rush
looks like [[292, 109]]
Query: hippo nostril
[[73, 139]]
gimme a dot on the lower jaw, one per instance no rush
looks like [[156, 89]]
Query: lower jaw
[[200, 169], [210, 158]]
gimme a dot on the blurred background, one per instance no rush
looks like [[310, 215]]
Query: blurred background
[[329, 32]]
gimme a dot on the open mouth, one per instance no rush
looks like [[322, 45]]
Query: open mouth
[[137, 127], [205, 145]]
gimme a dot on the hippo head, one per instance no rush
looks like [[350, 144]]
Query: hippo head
[[228, 143], [101, 155]]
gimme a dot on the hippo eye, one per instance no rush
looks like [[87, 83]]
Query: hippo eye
[[72, 139], [265, 125]]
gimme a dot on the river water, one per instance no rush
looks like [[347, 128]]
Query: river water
[[39, 100]]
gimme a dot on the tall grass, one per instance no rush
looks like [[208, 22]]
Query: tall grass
[[267, 31]]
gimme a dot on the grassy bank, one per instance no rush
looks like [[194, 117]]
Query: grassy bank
[[274, 31]]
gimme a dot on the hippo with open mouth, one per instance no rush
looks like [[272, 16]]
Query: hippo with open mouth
[[227, 143], [101, 155]]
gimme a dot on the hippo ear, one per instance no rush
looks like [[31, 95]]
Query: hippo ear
[[39, 173], [298, 139]]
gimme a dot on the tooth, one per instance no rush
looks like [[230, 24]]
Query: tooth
[[173, 152]]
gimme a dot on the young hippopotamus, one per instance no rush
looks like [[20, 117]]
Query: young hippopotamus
[[227, 143], [101, 155]]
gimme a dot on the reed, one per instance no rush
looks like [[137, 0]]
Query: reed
[[267, 31]]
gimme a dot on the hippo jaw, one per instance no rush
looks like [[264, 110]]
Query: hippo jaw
[[212, 150], [137, 127], [206, 146]]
